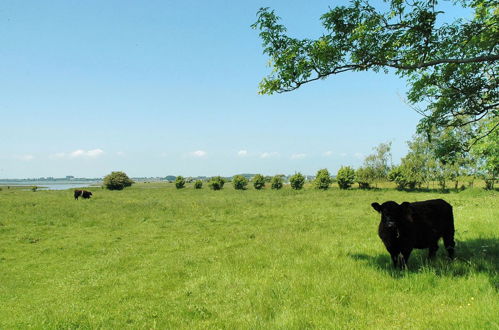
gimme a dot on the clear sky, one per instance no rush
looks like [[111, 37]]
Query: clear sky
[[155, 88]]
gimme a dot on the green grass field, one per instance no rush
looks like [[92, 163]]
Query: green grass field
[[155, 257]]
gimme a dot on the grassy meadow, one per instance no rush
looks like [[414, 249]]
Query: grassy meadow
[[151, 256]]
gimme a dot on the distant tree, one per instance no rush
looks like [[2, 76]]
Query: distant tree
[[378, 164], [216, 183], [297, 181], [258, 181], [277, 182], [117, 181], [345, 177], [322, 179], [486, 152], [198, 184], [402, 177], [450, 63], [364, 177], [239, 182], [179, 182]]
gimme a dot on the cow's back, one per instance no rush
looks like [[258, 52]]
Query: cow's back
[[434, 215]]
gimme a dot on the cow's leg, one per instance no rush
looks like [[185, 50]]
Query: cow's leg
[[404, 256], [395, 259], [449, 245], [432, 251]]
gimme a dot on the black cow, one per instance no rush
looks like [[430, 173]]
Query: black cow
[[417, 225], [83, 193]]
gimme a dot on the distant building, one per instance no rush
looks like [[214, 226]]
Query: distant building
[[69, 177]]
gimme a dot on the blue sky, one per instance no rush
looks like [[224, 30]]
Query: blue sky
[[155, 88]]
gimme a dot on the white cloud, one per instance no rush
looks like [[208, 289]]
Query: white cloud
[[343, 154], [327, 153], [298, 156], [58, 155], [198, 153], [269, 154], [242, 153], [25, 158], [120, 153], [80, 153]]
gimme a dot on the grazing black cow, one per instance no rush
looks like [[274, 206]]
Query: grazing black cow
[[83, 193], [417, 225]]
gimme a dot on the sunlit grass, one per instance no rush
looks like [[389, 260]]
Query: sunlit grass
[[153, 256]]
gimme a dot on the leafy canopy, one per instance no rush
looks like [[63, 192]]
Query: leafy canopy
[[451, 67], [297, 181], [117, 181], [258, 182], [322, 179], [239, 182]]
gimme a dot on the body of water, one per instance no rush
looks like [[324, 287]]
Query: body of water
[[52, 185]]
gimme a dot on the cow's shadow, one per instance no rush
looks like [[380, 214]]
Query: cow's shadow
[[480, 255]]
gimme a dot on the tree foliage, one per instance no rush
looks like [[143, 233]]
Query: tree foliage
[[297, 181], [276, 182], [258, 182], [198, 184], [179, 182], [216, 183], [345, 177], [486, 152], [451, 65], [117, 181], [239, 182], [365, 176], [378, 164], [322, 179]]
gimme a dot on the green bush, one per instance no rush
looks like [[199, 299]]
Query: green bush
[[239, 182], [402, 177], [322, 179], [365, 176], [198, 184], [276, 182], [117, 181], [34, 188], [345, 177], [489, 184], [216, 183], [179, 182], [258, 181], [297, 181]]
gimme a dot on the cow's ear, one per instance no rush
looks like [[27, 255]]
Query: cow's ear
[[406, 205], [376, 206]]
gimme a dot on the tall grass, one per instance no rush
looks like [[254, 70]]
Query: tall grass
[[151, 256]]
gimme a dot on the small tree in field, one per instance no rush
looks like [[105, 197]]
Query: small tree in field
[[117, 181], [239, 182], [297, 181], [258, 181], [345, 177], [198, 184], [277, 182], [180, 182], [322, 179], [216, 183], [364, 177]]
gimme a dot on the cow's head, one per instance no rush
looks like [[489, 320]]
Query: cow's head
[[393, 214]]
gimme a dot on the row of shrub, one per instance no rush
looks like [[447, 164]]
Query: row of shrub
[[345, 178], [322, 181]]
